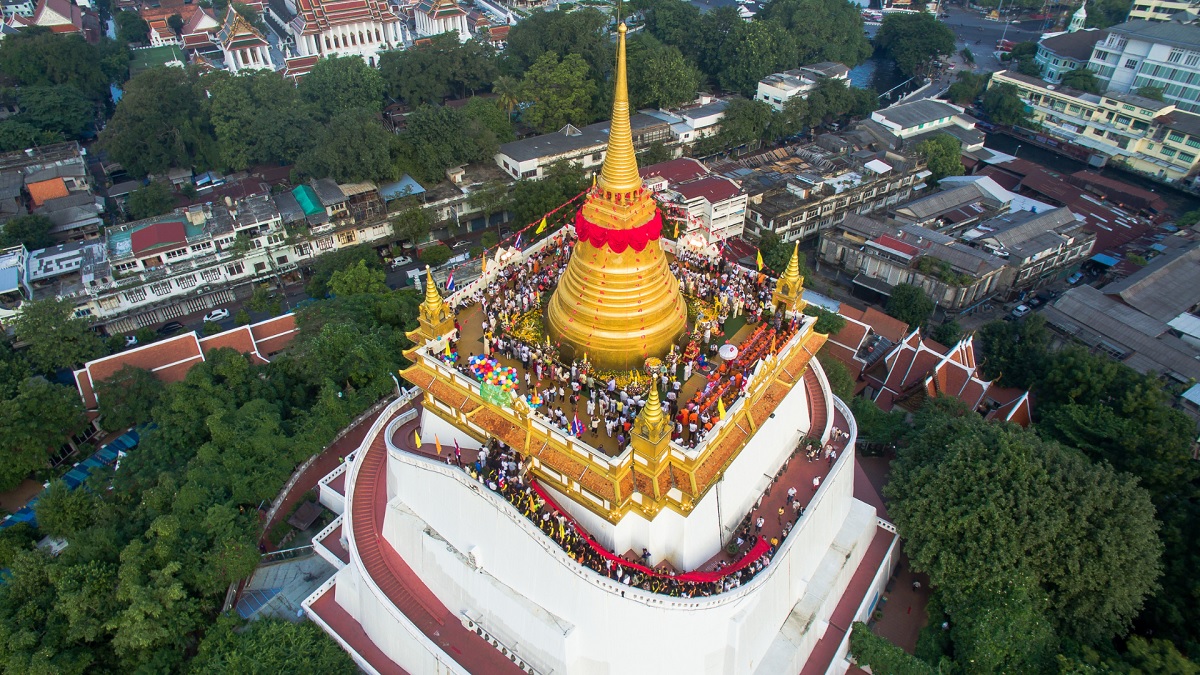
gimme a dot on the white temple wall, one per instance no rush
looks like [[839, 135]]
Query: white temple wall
[[433, 427], [527, 589]]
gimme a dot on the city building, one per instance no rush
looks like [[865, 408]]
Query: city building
[[709, 208], [1061, 53], [777, 89], [25, 8], [438, 571], [51, 181], [874, 257], [867, 336], [434, 17], [530, 157], [957, 205], [1146, 136], [911, 123], [242, 45], [694, 122], [199, 26], [813, 187], [1162, 54], [1036, 245], [1078, 19], [349, 27], [1160, 10]]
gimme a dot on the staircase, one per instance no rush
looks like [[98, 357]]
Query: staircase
[[816, 405]]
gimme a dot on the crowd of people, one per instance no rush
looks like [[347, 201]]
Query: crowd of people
[[499, 469]]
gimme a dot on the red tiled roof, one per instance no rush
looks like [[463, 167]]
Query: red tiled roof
[[169, 233], [45, 190], [677, 170], [239, 338], [897, 245], [273, 335], [851, 335], [714, 189]]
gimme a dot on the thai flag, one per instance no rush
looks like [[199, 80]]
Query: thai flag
[[577, 426], [517, 245], [450, 281]]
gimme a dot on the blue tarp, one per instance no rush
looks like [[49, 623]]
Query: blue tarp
[[1106, 260], [105, 456]]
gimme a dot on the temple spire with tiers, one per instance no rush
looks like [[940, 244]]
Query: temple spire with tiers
[[433, 316], [617, 300], [790, 286]]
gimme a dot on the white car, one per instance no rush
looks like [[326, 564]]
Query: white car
[[1021, 311], [218, 314], [401, 261]]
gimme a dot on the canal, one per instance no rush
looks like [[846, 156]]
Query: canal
[[1180, 201]]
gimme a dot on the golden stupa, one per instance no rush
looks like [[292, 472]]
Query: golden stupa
[[617, 302]]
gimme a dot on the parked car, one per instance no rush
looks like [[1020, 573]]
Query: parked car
[[169, 328], [401, 261], [1021, 310], [1074, 278], [131, 340], [218, 314]]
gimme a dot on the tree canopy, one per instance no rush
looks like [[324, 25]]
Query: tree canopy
[[559, 92], [36, 57], [439, 69], [33, 231], [914, 41], [150, 200], [1003, 105], [910, 304], [342, 83], [55, 337], [1083, 80], [943, 156], [160, 124]]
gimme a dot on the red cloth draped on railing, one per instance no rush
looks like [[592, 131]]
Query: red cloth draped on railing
[[618, 240], [755, 552]]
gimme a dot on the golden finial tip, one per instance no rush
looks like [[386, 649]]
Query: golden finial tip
[[621, 27]]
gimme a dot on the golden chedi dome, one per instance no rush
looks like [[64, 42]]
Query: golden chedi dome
[[617, 301]]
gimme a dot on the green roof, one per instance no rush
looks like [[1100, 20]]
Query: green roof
[[308, 200]]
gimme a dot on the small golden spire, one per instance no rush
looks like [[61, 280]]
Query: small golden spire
[[792, 273], [432, 297], [620, 171], [652, 415]]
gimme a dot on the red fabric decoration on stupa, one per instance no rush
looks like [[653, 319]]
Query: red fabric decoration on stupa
[[618, 240]]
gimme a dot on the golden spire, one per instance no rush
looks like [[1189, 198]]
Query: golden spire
[[652, 413], [620, 170], [432, 297], [792, 273]]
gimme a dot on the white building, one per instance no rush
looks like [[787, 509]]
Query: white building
[[529, 157], [242, 45], [1160, 10], [913, 121], [1163, 54], [777, 89], [708, 208], [1060, 53], [434, 17], [351, 27]]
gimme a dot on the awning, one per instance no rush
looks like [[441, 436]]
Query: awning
[[877, 285], [1103, 259]]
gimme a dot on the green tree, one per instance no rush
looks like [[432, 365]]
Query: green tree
[[354, 146], [948, 333], [967, 87], [150, 200], [263, 300], [1028, 66], [127, 398], [342, 83], [37, 57], [655, 153], [744, 122], [268, 646], [828, 322], [175, 23], [490, 198], [560, 92], [63, 512], [55, 337], [1150, 92], [909, 304], [487, 123], [839, 377], [434, 255], [821, 30], [533, 199], [580, 33], [131, 28], [915, 41], [258, 118], [754, 51], [439, 137], [16, 135], [160, 123], [982, 504], [438, 69], [881, 656], [62, 110], [1003, 105], [33, 231], [1014, 352], [508, 93], [35, 422], [1083, 80], [343, 258], [358, 279], [412, 224], [943, 156]]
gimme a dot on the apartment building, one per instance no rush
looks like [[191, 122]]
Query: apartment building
[[1035, 245], [1163, 54], [778, 88], [51, 181], [1060, 53], [811, 188], [1159, 10], [1147, 136], [708, 209]]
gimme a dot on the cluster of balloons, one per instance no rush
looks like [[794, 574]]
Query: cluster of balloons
[[489, 370]]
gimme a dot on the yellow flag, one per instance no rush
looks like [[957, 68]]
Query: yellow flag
[[437, 444], [677, 229], [760, 262], [447, 348], [542, 227], [484, 263], [720, 409], [417, 435]]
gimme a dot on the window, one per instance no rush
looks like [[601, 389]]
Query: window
[[1193, 142], [211, 274], [1124, 120], [186, 282], [234, 269], [1187, 157], [135, 295], [202, 246], [1176, 55], [161, 288], [1175, 137], [177, 253], [260, 267], [1192, 59], [1127, 106], [1131, 63], [1073, 109], [282, 260], [82, 312], [1167, 152], [125, 266]]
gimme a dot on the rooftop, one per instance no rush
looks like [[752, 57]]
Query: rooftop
[[570, 139], [1164, 289], [1173, 32], [925, 111], [1076, 46]]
